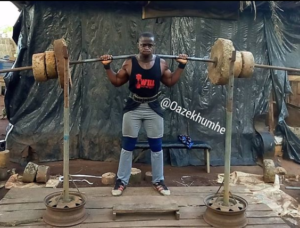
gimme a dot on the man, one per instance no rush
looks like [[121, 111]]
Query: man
[[144, 72]]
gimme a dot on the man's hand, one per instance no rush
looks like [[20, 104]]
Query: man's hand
[[182, 58], [106, 58]]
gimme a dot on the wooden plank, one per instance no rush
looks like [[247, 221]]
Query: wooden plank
[[22, 207], [96, 204], [294, 98], [195, 212], [25, 196], [151, 223], [38, 225], [269, 226], [35, 193], [109, 202], [138, 208], [263, 221], [103, 217], [261, 214], [294, 78], [106, 215], [106, 191], [142, 208], [271, 114], [259, 207], [199, 222], [16, 218]]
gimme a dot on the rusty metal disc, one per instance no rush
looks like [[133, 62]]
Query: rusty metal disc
[[60, 213], [248, 65], [59, 58], [39, 67], [221, 52], [238, 64], [50, 65], [220, 216]]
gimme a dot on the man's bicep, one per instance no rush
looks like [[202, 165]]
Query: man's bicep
[[166, 74], [122, 74]]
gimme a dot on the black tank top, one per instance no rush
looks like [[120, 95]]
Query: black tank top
[[144, 83]]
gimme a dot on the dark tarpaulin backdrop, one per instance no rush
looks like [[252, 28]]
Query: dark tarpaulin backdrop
[[36, 109]]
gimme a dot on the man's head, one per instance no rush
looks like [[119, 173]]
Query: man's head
[[146, 43]]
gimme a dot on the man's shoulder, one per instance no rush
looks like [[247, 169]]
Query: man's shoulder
[[163, 62], [161, 59], [128, 60]]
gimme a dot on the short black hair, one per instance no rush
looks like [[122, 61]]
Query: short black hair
[[145, 34]]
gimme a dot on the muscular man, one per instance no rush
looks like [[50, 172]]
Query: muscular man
[[144, 72]]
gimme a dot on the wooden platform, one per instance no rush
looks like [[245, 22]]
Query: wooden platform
[[25, 208]]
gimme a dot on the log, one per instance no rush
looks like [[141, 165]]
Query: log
[[108, 178], [4, 158], [269, 171], [43, 174], [136, 176], [30, 172]]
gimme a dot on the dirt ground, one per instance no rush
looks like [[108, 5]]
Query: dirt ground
[[174, 176]]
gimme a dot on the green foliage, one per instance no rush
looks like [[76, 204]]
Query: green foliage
[[7, 29]]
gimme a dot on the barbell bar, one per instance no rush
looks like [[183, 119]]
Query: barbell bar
[[174, 57], [218, 64], [163, 56], [113, 58], [276, 67]]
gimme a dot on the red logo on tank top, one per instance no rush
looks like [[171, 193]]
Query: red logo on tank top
[[144, 83]]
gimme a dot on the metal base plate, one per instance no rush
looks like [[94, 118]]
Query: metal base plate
[[62, 214], [218, 215]]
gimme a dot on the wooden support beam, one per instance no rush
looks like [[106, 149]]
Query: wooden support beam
[[271, 113], [294, 78]]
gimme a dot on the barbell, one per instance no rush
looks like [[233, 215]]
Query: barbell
[[50, 64]]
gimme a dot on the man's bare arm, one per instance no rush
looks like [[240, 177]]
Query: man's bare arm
[[168, 78], [121, 77]]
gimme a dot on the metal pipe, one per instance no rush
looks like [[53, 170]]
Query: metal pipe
[[188, 58], [162, 56], [16, 69], [276, 67], [99, 59], [229, 108], [292, 187], [113, 58], [128, 56], [66, 197]]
